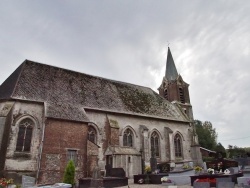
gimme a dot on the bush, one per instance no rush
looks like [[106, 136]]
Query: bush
[[208, 159], [69, 174]]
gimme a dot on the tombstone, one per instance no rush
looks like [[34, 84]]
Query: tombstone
[[96, 173], [163, 167], [191, 164], [205, 166], [117, 172], [153, 161], [28, 181], [107, 168]]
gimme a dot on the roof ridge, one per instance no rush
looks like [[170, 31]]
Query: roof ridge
[[99, 77]]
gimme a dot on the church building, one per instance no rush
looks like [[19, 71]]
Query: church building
[[50, 115]]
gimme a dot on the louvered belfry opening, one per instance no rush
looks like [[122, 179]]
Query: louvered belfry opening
[[182, 97], [166, 94]]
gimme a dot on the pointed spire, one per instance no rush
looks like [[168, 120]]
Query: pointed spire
[[171, 72]]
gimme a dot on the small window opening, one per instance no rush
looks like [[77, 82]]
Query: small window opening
[[182, 98], [72, 155], [166, 94]]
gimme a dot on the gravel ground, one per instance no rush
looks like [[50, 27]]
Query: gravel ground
[[132, 185]]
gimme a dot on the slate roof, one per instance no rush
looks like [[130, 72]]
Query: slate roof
[[171, 71], [67, 94]]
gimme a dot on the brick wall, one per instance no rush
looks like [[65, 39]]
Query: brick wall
[[114, 137], [58, 137]]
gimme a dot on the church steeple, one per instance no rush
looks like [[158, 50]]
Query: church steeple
[[171, 71], [173, 88]]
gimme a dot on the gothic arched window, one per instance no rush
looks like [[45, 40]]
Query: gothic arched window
[[128, 138], [92, 136], [24, 135], [155, 144], [177, 146]]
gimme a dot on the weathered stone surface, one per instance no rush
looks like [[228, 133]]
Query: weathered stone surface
[[52, 161], [66, 91]]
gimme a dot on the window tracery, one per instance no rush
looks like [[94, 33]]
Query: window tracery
[[155, 145], [178, 146], [24, 135], [128, 138]]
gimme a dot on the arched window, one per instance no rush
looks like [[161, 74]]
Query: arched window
[[92, 134], [128, 138], [177, 146], [24, 135], [155, 144]]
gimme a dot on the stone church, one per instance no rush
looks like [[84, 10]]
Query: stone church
[[50, 115]]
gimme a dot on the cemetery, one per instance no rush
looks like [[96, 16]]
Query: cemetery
[[217, 173], [220, 172]]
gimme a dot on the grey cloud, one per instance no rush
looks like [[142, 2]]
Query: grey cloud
[[127, 41]]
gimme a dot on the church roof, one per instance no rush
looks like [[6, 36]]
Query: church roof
[[67, 94], [171, 71]]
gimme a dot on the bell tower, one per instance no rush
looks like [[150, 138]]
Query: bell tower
[[174, 89]]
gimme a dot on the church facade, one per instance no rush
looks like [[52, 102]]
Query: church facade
[[50, 115]]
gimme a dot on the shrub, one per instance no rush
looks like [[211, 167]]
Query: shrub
[[69, 174], [208, 159]]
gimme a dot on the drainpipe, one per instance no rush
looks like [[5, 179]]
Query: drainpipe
[[40, 152]]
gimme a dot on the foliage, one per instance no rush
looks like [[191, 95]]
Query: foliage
[[198, 168], [235, 151], [207, 135], [185, 166], [220, 148], [147, 169], [69, 174], [4, 182], [207, 159]]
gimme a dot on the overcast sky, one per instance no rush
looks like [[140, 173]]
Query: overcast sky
[[127, 40]]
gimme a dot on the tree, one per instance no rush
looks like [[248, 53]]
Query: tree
[[69, 174], [208, 125], [220, 148], [235, 151], [207, 135]]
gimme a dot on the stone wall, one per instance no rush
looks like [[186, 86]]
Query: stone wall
[[92, 157], [23, 163], [150, 125]]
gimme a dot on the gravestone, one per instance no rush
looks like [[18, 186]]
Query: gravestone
[[28, 181], [163, 167], [191, 164], [221, 164], [117, 172], [153, 161], [205, 166], [107, 168], [96, 173]]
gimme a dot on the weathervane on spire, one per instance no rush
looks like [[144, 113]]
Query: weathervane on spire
[[168, 43]]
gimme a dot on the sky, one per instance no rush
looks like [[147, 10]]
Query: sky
[[127, 40]]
